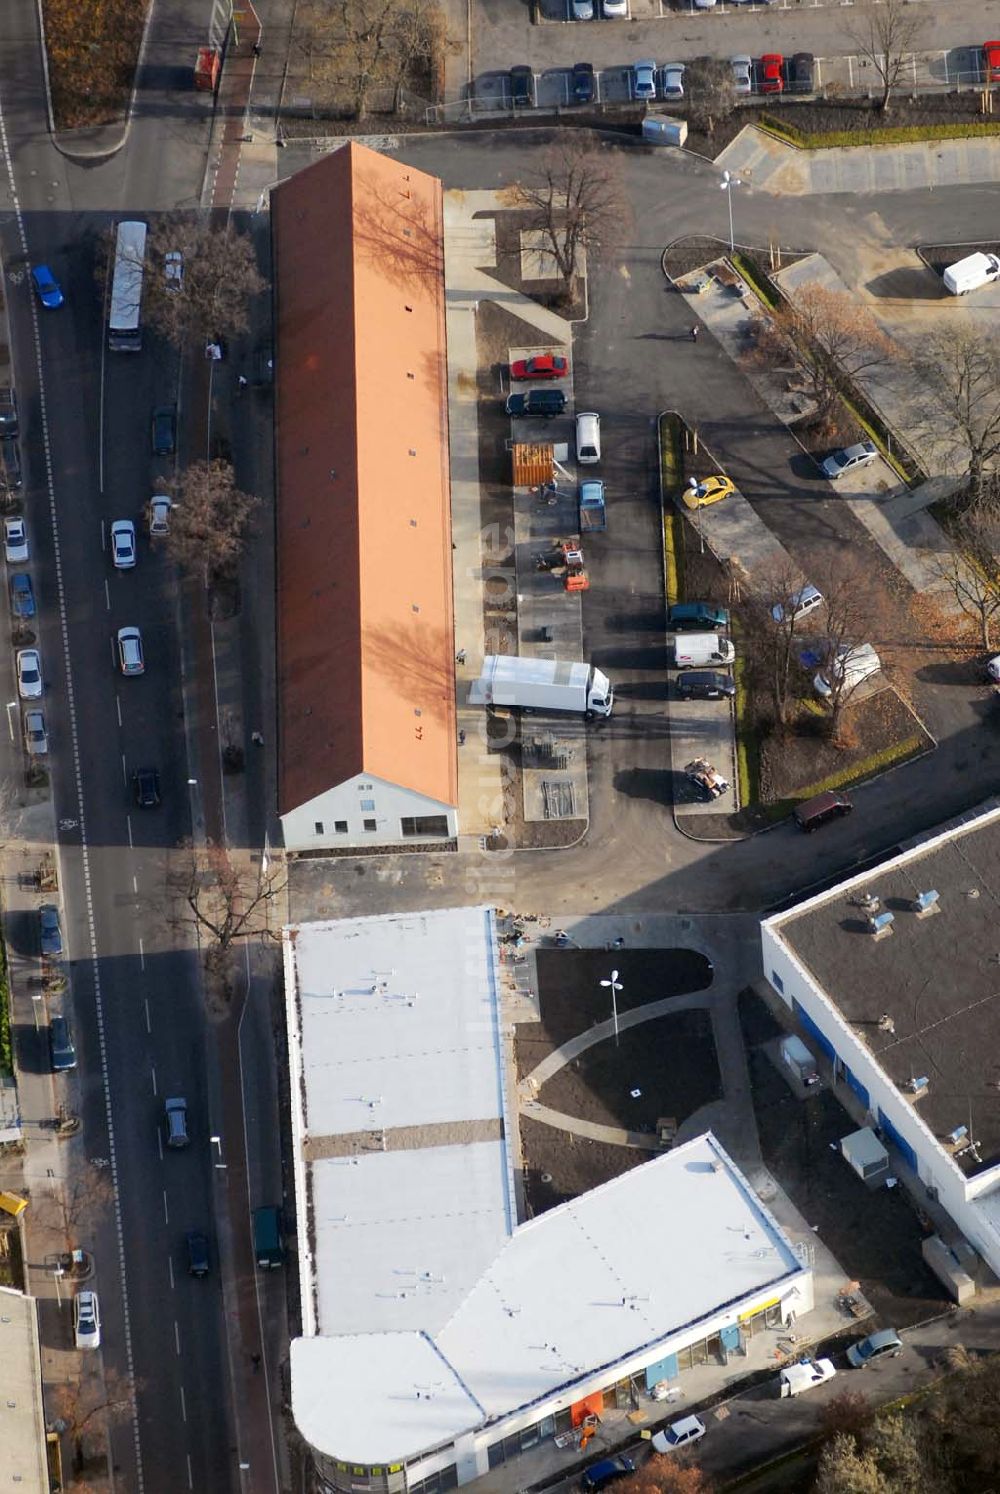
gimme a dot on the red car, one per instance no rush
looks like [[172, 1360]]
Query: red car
[[991, 61], [772, 73], [542, 366]]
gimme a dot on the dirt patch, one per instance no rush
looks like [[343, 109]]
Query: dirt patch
[[559, 1166], [666, 1067], [91, 75], [938, 257], [876, 725], [571, 997], [875, 1236]]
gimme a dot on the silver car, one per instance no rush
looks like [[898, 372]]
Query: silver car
[[742, 69], [36, 738], [29, 674], [672, 80], [15, 540], [849, 459]]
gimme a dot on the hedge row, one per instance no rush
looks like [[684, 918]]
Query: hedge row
[[889, 135]]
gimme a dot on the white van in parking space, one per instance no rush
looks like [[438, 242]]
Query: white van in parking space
[[970, 273], [702, 651], [588, 437], [853, 664]]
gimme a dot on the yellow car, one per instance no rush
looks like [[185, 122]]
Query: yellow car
[[711, 490]]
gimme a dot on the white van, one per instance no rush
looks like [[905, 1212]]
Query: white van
[[970, 273], [588, 437], [702, 651], [795, 1378], [852, 664]]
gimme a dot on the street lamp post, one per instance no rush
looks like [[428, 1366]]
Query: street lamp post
[[726, 185], [614, 985]]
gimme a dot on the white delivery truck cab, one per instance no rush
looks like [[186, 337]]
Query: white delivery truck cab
[[853, 664], [970, 273], [702, 651]]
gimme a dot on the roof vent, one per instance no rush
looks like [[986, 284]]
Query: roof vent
[[918, 1087], [972, 892], [926, 903], [866, 901], [880, 925]]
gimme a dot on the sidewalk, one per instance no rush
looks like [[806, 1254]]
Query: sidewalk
[[772, 166]]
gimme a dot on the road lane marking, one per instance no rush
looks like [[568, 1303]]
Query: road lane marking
[[184, 1409], [177, 1332], [118, 705], [128, 826], [152, 1072], [166, 1216], [107, 594], [170, 1269], [135, 885], [142, 966], [149, 1025], [190, 1479]]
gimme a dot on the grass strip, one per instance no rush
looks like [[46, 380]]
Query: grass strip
[[671, 478], [888, 135], [748, 740], [848, 777]]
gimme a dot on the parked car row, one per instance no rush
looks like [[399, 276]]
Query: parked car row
[[546, 404], [771, 73]]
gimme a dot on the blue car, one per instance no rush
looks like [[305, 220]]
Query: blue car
[[22, 595], [47, 286]]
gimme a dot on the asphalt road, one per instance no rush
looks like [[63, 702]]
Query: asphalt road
[[139, 1024]]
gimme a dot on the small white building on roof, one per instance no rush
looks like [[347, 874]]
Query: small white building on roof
[[441, 1337]]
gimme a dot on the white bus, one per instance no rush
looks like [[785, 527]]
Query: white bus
[[124, 320]]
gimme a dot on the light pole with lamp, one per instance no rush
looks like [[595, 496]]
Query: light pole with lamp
[[614, 985], [726, 185]]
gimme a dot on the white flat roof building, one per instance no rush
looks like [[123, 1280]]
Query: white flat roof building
[[22, 1416], [434, 1325]]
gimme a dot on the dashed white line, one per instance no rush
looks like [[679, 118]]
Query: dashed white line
[[177, 1338], [166, 1214], [184, 1409], [135, 885], [170, 1271], [118, 708], [124, 770], [149, 1025], [152, 1075], [142, 966], [128, 826], [107, 594], [190, 1478]]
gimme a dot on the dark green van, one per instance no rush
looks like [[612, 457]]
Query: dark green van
[[268, 1246], [697, 617]]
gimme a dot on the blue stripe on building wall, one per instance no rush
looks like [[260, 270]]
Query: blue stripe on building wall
[[663, 1369], [909, 1155], [857, 1087], [814, 1032]]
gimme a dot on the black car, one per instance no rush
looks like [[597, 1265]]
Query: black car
[[583, 83], [146, 787], [540, 403], [197, 1254], [800, 72], [705, 684], [522, 86], [164, 430]]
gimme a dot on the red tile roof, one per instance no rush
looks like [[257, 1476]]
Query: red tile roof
[[366, 647]]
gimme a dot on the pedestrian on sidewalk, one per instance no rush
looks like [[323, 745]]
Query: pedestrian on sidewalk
[[257, 739], [460, 656], [255, 1361], [694, 334], [242, 382], [461, 739], [256, 49]]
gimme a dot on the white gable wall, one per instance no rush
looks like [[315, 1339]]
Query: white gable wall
[[314, 826]]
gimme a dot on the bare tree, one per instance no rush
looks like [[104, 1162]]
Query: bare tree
[[850, 607], [774, 631], [73, 1201], [358, 47], [576, 201], [224, 901], [960, 369], [209, 519], [971, 568], [886, 35], [220, 279], [90, 1404], [836, 342], [711, 92]]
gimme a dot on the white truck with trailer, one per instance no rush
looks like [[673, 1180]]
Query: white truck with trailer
[[542, 685]]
